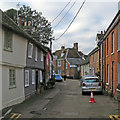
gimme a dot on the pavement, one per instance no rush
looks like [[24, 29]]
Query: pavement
[[27, 108]]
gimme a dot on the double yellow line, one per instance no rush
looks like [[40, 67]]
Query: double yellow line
[[15, 116], [114, 117]]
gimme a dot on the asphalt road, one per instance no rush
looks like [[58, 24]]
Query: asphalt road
[[65, 100], [70, 103]]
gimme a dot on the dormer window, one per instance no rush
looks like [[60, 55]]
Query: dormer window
[[62, 54]]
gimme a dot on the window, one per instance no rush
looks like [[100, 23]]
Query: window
[[41, 80], [59, 63], [8, 40], [36, 54], [30, 50], [107, 74], [26, 78], [93, 58], [67, 73], [12, 78], [66, 65], [107, 46], [41, 56], [112, 51], [33, 76]]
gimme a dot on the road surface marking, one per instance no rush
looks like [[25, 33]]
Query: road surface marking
[[15, 116], [114, 117]]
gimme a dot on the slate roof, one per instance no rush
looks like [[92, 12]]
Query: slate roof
[[75, 61], [86, 61], [8, 23], [93, 51]]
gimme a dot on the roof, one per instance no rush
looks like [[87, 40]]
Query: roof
[[59, 52], [73, 53], [86, 61], [8, 23], [93, 51], [75, 61]]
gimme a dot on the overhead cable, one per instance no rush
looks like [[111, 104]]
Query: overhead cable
[[71, 21], [65, 14], [61, 11]]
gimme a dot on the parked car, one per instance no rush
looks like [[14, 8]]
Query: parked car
[[58, 77], [91, 83], [81, 80]]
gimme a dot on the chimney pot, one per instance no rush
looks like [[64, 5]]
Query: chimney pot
[[62, 47]]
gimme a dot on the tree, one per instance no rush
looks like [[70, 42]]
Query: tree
[[34, 23]]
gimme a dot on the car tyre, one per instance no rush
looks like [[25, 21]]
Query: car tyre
[[83, 93]]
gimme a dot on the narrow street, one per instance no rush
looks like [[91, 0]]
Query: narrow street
[[66, 101]]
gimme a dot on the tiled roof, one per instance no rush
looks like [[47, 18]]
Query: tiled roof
[[61, 54], [72, 53], [8, 23]]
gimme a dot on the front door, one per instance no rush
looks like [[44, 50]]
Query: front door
[[112, 77]]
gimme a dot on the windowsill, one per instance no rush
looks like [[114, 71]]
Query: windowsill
[[29, 57], [112, 53], [107, 84], [26, 86], [118, 50], [8, 50], [12, 87]]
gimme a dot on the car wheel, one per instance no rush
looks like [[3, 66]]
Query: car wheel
[[83, 93]]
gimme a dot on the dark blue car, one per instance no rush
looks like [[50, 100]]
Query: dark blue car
[[58, 77]]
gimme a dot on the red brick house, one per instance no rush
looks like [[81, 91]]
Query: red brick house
[[110, 56], [67, 61]]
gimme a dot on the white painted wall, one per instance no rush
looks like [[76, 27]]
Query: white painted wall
[[84, 68], [14, 95], [17, 60], [18, 56]]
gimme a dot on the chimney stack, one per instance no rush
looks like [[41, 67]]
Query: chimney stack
[[19, 21], [76, 46]]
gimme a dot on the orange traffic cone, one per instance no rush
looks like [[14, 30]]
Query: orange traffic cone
[[92, 98]]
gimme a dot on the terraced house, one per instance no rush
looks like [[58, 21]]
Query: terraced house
[[22, 63], [110, 56]]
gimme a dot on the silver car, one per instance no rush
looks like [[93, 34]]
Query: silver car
[[91, 83]]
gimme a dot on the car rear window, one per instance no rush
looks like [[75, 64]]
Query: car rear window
[[57, 75], [92, 80]]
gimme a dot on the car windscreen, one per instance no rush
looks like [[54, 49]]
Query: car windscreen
[[57, 75], [92, 80]]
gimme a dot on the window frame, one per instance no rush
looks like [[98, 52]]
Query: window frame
[[8, 37], [26, 85], [112, 42], [36, 54], [33, 77], [12, 77], [41, 55], [59, 63], [30, 51]]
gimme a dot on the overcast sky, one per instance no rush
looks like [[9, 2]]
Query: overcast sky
[[95, 16]]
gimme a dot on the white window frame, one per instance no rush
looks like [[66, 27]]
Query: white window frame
[[59, 63], [8, 40], [41, 55], [40, 77], [113, 40], [36, 54], [12, 77], [27, 71], [30, 50], [59, 72], [33, 77]]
